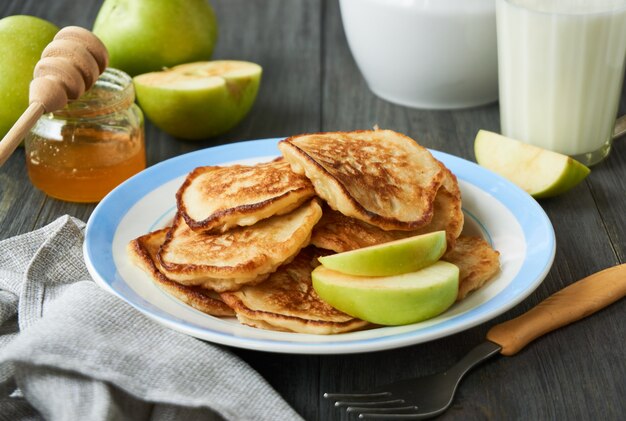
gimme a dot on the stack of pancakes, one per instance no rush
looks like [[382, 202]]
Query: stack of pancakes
[[246, 238]]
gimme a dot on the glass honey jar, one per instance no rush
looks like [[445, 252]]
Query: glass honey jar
[[82, 152]]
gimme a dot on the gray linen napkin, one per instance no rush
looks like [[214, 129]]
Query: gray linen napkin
[[71, 351]]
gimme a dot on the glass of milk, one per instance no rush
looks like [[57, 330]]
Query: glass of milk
[[560, 69]]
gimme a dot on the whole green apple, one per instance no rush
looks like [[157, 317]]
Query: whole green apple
[[22, 39], [199, 100], [390, 300], [392, 258], [147, 35]]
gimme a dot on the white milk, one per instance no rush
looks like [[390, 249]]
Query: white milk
[[561, 67]]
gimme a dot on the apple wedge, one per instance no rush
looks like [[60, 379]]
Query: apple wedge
[[390, 300], [540, 172], [392, 258], [201, 99]]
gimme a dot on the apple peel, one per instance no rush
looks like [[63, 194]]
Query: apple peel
[[540, 172], [199, 100], [391, 258], [390, 300]]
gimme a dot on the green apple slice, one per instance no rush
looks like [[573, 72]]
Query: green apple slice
[[540, 172], [390, 300], [392, 258], [199, 100]]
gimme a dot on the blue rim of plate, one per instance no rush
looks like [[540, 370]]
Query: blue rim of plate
[[535, 224]]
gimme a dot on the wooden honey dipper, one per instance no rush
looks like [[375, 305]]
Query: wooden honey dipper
[[69, 66]]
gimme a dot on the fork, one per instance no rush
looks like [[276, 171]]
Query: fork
[[428, 396]]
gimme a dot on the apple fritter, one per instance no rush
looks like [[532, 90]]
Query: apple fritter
[[142, 252], [215, 199], [243, 255], [477, 263], [286, 301], [377, 176]]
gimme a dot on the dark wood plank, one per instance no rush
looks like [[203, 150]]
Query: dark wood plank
[[284, 38], [61, 13], [23, 207], [20, 202], [348, 104], [311, 83], [539, 383], [608, 186]]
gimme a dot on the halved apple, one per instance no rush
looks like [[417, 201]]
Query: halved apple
[[392, 258], [201, 99], [390, 300], [540, 172]]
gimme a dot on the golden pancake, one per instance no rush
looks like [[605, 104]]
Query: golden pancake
[[224, 262], [340, 233], [477, 263], [377, 176], [215, 199], [448, 213], [142, 252], [286, 301]]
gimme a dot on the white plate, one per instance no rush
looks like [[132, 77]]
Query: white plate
[[505, 215]]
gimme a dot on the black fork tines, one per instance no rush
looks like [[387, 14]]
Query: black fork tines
[[389, 410], [380, 405], [380, 417], [369, 403], [336, 396], [363, 400]]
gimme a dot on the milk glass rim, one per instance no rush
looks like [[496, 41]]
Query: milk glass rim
[[521, 4]]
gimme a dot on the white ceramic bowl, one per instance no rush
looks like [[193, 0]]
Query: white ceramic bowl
[[435, 54]]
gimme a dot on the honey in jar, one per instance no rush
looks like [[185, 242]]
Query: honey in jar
[[82, 152]]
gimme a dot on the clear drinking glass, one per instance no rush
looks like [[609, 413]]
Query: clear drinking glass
[[560, 69]]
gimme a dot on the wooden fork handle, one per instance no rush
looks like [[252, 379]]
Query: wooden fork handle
[[578, 300]]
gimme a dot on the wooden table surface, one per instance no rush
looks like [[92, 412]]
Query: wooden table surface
[[311, 83]]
